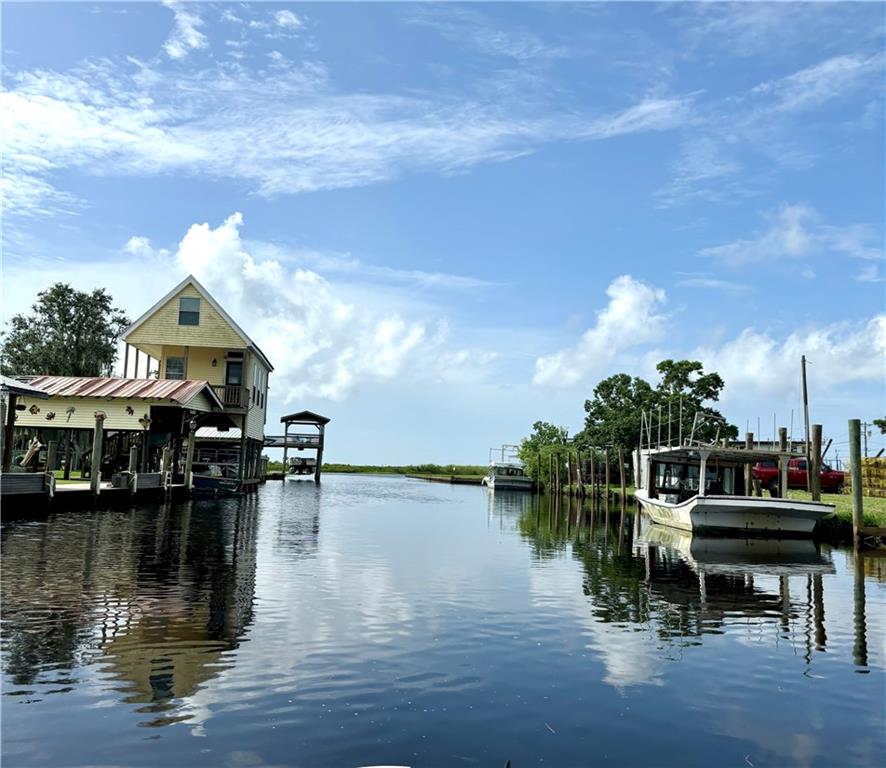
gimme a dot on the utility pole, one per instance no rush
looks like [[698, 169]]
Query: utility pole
[[805, 422], [864, 434]]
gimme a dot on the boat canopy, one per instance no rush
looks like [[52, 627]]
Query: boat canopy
[[738, 455]]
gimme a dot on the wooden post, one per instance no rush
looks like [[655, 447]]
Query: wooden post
[[319, 455], [805, 420], [125, 359], [783, 462], [748, 468], [593, 475], [164, 466], [285, 448], [551, 472], [8, 430], [557, 474], [581, 486], [133, 468], [135, 372], [855, 469], [813, 469], [69, 454], [189, 456], [51, 447], [621, 471], [606, 471], [97, 440], [241, 467]]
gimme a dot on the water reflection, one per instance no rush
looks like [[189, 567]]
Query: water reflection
[[157, 597], [682, 588]]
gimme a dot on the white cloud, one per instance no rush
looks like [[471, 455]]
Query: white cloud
[[701, 171], [186, 35], [285, 134], [712, 283], [630, 319], [813, 86], [797, 231], [287, 20], [755, 362], [323, 342]]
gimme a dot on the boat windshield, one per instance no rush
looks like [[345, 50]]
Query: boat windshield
[[682, 480], [509, 472]]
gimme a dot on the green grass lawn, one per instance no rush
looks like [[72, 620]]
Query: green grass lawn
[[75, 477], [874, 508]]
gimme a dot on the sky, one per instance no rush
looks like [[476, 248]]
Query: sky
[[443, 222]]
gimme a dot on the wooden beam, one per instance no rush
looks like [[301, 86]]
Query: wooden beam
[[813, 468], [855, 469], [189, 456]]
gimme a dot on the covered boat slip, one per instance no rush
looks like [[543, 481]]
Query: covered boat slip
[[709, 487]]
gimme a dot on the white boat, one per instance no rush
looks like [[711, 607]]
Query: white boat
[[506, 472], [670, 492]]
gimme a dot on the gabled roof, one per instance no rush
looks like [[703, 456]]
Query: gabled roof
[[304, 417], [191, 280], [180, 391]]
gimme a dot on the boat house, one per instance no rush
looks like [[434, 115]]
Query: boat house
[[210, 379]]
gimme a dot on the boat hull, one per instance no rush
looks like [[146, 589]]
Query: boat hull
[[508, 483], [744, 514]]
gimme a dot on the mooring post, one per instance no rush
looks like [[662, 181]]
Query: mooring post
[[8, 430], [593, 475], [606, 476], [814, 467], [133, 468], [783, 459], [621, 471], [285, 448], [855, 470], [189, 456], [860, 646], [748, 468], [97, 440], [550, 472], [581, 485], [164, 467]]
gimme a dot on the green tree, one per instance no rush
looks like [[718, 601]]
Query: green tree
[[545, 440], [613, 415], [685, 381], [881, 425], [66, 333]]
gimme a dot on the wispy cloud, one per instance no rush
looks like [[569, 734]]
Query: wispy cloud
[[869, 273], [283, 133], [797, 231], [491, 38], [186, 35], [706, 282]]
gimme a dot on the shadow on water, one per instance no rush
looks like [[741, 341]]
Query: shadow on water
[[685, 586], [157, 597]]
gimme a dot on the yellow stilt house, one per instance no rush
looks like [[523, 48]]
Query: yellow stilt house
[[188, 335]]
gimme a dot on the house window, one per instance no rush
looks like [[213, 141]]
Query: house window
[[188, 311], [175, 367]]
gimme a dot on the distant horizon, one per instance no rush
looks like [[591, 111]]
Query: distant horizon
[[444, 222]]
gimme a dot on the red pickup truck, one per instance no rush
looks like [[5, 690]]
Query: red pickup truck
[[767, 473]]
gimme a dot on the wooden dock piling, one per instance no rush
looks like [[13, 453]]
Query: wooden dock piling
[[814, 467], [748, 472], [855, 469], [95, 477]]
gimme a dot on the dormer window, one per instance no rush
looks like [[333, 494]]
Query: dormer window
[[188, 311]]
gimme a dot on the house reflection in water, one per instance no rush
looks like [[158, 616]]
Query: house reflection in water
[[157, 597]]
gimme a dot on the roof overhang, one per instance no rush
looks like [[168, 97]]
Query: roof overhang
[[738, 455], [21, 388], [304, 417]]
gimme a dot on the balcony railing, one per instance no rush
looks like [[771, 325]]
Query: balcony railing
[[232, 395]]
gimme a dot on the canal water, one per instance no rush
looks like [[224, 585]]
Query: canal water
[[384, 620]]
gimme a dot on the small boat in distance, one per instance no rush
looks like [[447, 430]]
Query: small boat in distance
[[506, 471]]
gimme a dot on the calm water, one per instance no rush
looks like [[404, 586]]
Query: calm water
[[383, 620]]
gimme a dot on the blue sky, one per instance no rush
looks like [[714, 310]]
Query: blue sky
[[445, 221]]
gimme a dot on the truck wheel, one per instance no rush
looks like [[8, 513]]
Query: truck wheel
[[773, 489], [839, 488]]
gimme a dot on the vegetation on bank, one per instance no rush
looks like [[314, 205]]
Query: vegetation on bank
[[874, 507], [447, 470], [613, 419]]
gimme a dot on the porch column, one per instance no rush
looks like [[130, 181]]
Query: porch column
[[285, 447], [319, 457]]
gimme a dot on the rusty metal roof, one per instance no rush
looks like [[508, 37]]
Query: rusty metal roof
[[178, 390]]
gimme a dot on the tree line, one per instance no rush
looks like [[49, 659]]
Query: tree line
[[614, 417]]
